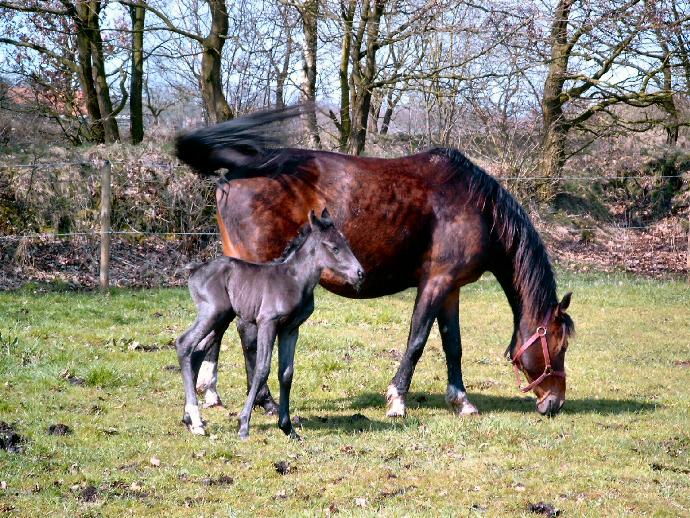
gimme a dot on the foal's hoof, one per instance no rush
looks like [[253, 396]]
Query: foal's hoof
[[294, 436], [459, 403], [396, 403], [197, 430], [214, 404], [270, 407]]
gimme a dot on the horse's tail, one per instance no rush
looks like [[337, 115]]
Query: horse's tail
[[241, 142]]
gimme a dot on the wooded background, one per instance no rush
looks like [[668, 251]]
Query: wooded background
[[580, 107]]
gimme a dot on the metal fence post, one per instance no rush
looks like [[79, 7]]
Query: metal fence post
[[106, 192]]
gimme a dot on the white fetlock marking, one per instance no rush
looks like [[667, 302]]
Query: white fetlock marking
[[208, 376], [396, 403], [212, 399], [458, 402], [196, 427]]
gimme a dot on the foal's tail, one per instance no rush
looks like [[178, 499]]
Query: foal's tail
[[237, 143], [193, 267]]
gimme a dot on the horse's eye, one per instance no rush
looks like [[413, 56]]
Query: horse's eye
[[336, 250]]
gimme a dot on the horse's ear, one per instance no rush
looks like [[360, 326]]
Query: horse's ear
[[326, 217], [564, 303]]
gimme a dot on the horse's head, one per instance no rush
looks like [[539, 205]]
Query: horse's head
[[540, 355], [333, 251]]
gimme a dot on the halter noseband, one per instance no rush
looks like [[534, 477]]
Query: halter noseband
[[548, 370]]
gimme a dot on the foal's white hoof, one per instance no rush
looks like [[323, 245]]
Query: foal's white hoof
[[212, 400], [197, 430], [396, 403], [459, 403]]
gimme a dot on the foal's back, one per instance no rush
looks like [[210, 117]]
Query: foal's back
[[250, 290]]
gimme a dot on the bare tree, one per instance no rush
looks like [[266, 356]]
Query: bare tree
[[80, 18]]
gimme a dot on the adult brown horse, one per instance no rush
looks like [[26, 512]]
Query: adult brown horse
[[433, 220]]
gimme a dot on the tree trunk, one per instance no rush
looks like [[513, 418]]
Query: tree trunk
[[555, 126], [211, 79], [345, 125], [136, 88], [309, 12], [391, 101], [96, 129], [90, 11], [363, 79]]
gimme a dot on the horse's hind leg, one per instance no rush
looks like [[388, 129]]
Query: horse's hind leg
[[449, 326], [248, 335]]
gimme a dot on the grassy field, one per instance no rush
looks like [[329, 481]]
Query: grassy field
[[620, 447]]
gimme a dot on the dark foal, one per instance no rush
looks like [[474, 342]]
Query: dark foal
[[276, 297]]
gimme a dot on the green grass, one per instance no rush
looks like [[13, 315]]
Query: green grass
[[620, 447]]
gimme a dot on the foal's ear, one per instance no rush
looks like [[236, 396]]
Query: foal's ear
[[326, 217], [313, 220], [563, 304]]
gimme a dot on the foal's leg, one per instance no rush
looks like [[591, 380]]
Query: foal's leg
[[286, 362], [191, 350], [449, 326], [264, 347], [207, 378], [430, 296], [248, 334]]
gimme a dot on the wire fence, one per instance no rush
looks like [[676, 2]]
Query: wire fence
[[620, 231]]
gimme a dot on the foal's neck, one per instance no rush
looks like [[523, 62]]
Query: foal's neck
[[302, 264]]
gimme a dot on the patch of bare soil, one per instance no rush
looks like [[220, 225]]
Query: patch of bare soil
[[73, 263], [659, 251]]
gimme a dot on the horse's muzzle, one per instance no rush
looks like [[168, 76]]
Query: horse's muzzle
[[550, 406]]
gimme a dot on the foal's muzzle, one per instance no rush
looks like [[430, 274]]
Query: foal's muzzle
[[359, 280]]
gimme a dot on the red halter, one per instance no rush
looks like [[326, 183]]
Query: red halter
[[548, 370]]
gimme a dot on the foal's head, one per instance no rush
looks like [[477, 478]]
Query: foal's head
[[333, 251]]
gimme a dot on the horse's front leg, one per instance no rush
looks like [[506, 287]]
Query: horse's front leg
[[264, 347], [449, 326], [248, 336], [286, 362], [430, 296]]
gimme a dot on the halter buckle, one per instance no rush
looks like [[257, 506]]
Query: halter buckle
[[541, 331]]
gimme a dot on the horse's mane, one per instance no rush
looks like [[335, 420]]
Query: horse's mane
[[533, 276]]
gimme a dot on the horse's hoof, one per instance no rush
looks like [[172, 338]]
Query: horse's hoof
[[244, 436], [396, 403], [294, 436], [214, 404]]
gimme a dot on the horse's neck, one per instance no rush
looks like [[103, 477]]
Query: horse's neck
[[524, 313]]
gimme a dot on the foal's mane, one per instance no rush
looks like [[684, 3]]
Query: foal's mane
[[533, 276], [296, 243]]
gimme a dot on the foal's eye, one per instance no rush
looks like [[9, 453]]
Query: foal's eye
[[336, 250]]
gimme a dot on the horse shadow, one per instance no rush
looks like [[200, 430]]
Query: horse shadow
[[488, 403]]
